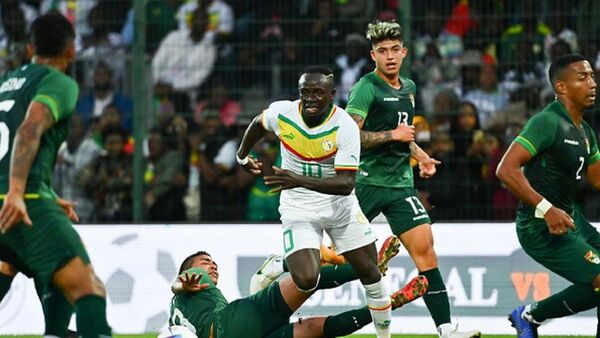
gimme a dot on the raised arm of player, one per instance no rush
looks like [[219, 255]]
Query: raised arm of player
[[509, 172], [26, 144], [372, 139], [253, 134]]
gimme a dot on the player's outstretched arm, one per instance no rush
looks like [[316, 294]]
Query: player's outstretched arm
[[26, 144], [509, 172], [372, 139], [593, 175], [253, 134], [340, 184]]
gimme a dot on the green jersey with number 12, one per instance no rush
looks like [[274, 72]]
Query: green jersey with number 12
[[18, 89], [384, 108]]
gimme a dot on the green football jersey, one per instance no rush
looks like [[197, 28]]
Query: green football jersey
[[383, 108], [561, 154], [197, 311], [17, 90]]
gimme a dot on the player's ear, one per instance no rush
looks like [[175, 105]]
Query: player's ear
[[372, 52], [560, 87], [29, 51]]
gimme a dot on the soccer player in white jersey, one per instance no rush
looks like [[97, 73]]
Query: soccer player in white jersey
[[320, 147]]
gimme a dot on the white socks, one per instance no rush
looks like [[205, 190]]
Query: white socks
[[380, 306]]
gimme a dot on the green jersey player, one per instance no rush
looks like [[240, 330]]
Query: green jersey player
[[382, 104], [200, 306], [556, 149], [36, 236]]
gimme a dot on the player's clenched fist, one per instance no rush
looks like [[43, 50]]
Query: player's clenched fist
[[403, 133]]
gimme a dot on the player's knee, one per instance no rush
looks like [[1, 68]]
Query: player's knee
[[306, 283]]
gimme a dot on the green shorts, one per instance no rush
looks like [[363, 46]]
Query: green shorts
[[400, 206], [255, 316], [573, 256], [43, 248]]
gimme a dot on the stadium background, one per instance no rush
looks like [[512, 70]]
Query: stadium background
[[160, 113]]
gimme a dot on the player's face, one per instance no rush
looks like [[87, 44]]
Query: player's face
[[316, 93], [580, 85], [388, 56], [206, 263]]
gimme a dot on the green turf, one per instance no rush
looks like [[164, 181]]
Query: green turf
[[353, 336]]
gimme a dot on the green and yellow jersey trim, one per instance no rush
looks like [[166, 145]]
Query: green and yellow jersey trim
[[527, 144], [309, 147], [26, 196], [330, 114], [595, 158], [50, 102]]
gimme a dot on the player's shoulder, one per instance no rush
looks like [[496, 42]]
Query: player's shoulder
[[343, 118], [408, 84], [284, 107], [367, 80]]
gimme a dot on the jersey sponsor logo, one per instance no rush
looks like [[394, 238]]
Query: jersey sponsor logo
[[571, 142], [14, 83], [392, 99], [412, 99], [592, 257], [587, 145]]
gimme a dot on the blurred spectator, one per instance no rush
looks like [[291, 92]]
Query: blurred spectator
[[165, 181], [323, 32], [444, 104], [101, 33], [13, 36], [218, 102], [504, 203], [74, 155], [355, 14], [185, 58], [561, 30], [93, 102], [350, 66], [525, 71], [217, 166], [108, 180], [530, 33], [220, 18], [291, 66], [160, 21], [463, 127], [558, 48], [488, 97]]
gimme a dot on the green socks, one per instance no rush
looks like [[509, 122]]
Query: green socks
[[91, 317], [574, 299], [347, 322], [57, 313], [335, 275], [436, 297]]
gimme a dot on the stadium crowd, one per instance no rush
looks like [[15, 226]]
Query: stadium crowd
[[480, 69]]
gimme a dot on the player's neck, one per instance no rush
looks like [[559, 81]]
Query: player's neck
[[574, 110], [312, 121], [392, 80], [58, 63]]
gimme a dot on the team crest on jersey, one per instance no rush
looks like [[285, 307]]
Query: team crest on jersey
[[327, 145], [592, 257], [411, 97]]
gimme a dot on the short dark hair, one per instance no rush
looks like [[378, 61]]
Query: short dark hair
[[318, 69], [560, 64], [51, 34], [189, 260]]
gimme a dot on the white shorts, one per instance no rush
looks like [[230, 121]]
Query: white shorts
[[345, 224]]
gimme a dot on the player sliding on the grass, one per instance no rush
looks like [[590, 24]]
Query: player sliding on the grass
[[201, 308]]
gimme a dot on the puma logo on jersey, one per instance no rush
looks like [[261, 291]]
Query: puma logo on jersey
[[393, 99], [12, 84], [571, 142], [289, 136]]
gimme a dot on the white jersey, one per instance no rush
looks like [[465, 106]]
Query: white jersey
[[317, 152]]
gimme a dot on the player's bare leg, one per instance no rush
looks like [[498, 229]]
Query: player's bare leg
[[304, 266], [81, 287]]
